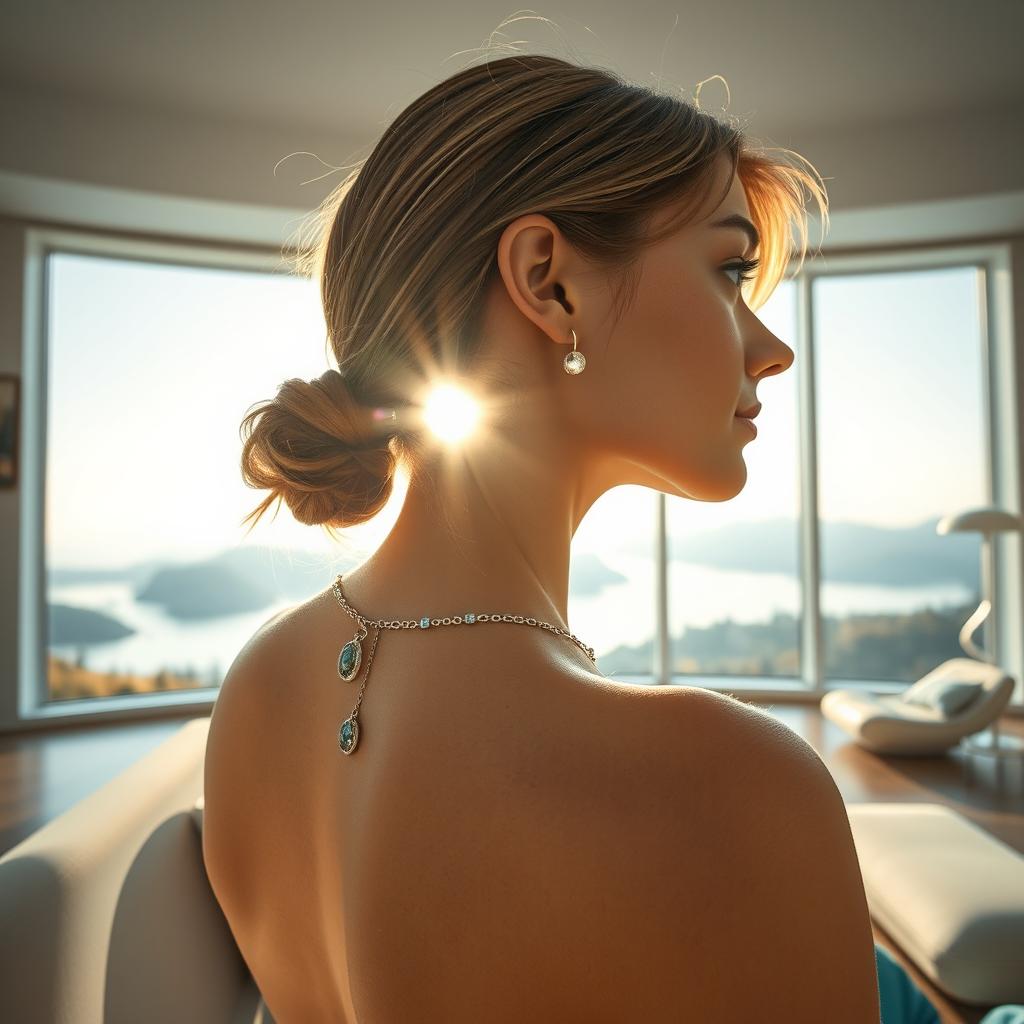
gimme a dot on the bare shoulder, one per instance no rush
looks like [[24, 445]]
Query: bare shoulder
[[744, 892], [803, 900], [251, 680], [255, 845], [249, 704], [765, 735]]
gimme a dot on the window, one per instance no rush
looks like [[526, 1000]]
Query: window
[[150, 369], [734, 580], [613, 581], [901, 443], [139, 585], [893, 436]]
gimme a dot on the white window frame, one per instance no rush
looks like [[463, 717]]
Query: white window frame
[[992, 262], [33, 683], [999, 373]]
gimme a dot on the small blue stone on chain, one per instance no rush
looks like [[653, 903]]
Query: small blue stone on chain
[[350, 659]]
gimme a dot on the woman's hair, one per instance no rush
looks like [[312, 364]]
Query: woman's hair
[[407, 246]]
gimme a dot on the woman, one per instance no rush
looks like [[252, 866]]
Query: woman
[[501, 833]]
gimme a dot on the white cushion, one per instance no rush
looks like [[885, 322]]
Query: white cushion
[[947, 696], [950, 894]]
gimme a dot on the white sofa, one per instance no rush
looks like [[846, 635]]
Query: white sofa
[[106, 914]]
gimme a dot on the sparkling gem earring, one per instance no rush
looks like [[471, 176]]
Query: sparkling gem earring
[[574, 361]]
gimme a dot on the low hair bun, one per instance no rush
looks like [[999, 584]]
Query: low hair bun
[[320, 451]]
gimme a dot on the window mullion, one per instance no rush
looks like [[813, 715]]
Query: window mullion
[[662, 646], [812, 666]]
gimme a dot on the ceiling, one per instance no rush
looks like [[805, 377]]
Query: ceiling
[[792, 67]]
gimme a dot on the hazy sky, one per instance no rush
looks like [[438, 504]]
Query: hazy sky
[[152, 367]]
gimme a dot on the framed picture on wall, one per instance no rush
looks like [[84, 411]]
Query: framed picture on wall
[[8, 429]]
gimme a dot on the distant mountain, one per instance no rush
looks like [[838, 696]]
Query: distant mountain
[[882, 647], [136, 574], [850, 552], [588, 575], [204, 591], [287, 573], [250, 577], [69, 625]]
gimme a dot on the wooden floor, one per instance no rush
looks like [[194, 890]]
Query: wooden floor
[[43, 774]]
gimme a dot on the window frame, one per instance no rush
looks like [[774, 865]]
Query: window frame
[[33, 704], [992, 261]]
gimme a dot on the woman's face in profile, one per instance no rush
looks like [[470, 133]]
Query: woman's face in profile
[[662, 386]]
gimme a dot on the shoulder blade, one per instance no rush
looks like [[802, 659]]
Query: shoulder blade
[[708, 869]]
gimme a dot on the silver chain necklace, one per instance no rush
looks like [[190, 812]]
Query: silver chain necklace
[[351, 657]]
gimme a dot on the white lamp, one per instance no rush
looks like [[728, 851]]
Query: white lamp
[[985, 521]]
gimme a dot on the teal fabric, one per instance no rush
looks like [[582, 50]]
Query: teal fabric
[[1008, 1013], [902, 1002]]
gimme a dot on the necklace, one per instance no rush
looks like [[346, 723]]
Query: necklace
[[351, 657]]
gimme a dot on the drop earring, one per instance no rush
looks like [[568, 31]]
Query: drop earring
[[574, 361]]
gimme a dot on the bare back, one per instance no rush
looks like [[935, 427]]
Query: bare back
[[497, 848]]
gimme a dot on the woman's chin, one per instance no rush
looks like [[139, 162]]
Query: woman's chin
[[726, 487], [722, 486], [715, 482]]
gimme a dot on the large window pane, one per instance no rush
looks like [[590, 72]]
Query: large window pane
[[901, 443], [734, 587], [151, 584], [150, 369], [151, 581], [612, 591]]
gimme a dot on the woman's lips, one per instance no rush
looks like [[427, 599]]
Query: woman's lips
[[749, 422]]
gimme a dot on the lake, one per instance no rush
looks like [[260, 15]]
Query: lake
[[620, 614]]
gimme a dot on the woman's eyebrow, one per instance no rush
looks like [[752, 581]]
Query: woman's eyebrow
[[737, 220]]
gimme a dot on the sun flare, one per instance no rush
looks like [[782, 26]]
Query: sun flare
[[451, 413]]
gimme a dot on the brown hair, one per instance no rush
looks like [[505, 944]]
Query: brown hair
[[407, 247]]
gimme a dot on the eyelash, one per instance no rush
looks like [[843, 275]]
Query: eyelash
[[747, 267]]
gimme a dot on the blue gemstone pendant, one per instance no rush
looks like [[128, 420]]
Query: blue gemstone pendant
[[348, 734], [349, 660]]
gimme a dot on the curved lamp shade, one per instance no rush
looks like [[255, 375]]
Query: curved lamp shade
[[981, 520]]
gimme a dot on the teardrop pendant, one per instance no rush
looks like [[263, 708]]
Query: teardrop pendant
[[348, 734], [349, 660]]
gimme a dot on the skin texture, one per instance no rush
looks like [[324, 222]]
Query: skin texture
[[654, 406], [517, 837]]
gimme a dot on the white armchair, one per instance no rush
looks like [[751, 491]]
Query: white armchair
[[890, 724], [957, 700]]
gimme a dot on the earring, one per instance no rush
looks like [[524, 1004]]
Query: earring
[[574, 361]]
